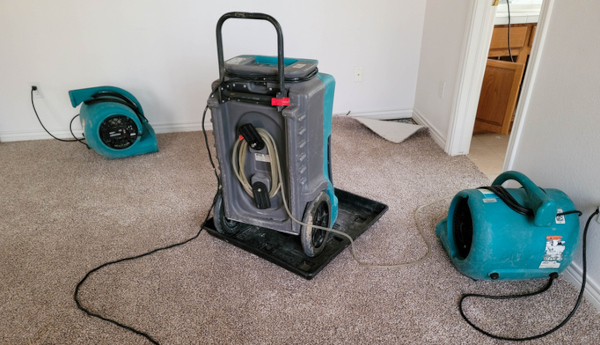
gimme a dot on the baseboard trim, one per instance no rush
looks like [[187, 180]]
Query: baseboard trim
[[181, 127], [435, 133], [9, 136], [160, 128], [382, 114], [592, 291]]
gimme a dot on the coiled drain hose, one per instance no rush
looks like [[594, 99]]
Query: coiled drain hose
[[239, 150], [241, 147]]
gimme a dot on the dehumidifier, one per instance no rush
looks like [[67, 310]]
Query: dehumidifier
[[272, 127], [513, 233], [113, 122]]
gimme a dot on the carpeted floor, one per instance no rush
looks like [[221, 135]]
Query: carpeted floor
[[65, 210]]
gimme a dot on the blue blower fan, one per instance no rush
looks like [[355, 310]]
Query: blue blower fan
[[113, 122], [513, 233]]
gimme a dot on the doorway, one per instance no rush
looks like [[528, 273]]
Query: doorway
[[515, 25], [499, 148]]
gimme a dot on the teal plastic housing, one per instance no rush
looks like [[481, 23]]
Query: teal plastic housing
[[92, 116], [506, 245]]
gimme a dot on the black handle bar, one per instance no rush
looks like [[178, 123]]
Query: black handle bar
[[261, 16]]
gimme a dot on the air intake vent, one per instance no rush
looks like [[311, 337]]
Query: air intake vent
[[462, 228], [118, 132]]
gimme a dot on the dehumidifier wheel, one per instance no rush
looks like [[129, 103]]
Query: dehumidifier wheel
[[318, 212], [222, 224]]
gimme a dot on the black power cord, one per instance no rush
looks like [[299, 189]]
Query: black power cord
[[73, 134], [34, 88], [115, 97], [143, 334], [509, 49], [553, 276], [508, 199]]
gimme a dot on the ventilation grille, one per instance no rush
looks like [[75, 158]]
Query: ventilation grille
[[118, 132], [462, 228]]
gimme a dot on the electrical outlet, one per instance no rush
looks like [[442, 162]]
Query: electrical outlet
[[37, 93], [442, 90], [358, 74]]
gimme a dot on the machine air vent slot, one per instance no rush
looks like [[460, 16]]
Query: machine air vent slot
[[462, 228]]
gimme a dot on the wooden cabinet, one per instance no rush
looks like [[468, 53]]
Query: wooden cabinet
[[521, 39], [502, 79], [498, 98]]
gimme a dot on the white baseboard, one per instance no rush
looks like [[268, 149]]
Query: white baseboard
[[592, 291], [435, 133], [181, 127], [9, 136], [382, 114]]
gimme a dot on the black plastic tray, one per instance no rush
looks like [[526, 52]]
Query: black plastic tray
[[355, 215]]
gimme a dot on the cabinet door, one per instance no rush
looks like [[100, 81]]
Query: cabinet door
[[518, 37], [521, 38], [498, 97]]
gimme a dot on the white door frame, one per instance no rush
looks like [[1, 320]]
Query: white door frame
[[470, 77], [472, 69]]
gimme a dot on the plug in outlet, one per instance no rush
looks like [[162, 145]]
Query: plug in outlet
[[358, 74], [37, 93]]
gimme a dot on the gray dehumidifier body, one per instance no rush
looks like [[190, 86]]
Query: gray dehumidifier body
[[272, 127], [298, 131]]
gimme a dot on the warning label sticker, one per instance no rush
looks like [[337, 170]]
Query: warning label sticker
[[560, 219], [550, 264], [260, 157], [555, 247], [487, 193], [488, 196]]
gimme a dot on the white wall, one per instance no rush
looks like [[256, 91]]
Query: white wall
[[525, 2], [164, 52], [441, 53], [559, 147]]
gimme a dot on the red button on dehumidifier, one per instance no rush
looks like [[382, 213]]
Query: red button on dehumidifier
[[280, 102]]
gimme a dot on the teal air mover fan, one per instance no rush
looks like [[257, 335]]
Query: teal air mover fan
[[113, 122], [513, 233]]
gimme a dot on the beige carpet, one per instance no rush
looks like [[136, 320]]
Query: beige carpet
[[65, 210]]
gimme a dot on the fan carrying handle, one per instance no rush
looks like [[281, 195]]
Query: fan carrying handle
[[544, 208], [259, 16], [79, 96]]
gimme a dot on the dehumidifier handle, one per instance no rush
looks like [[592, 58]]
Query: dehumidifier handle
[[544, 208], [261, 16]]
